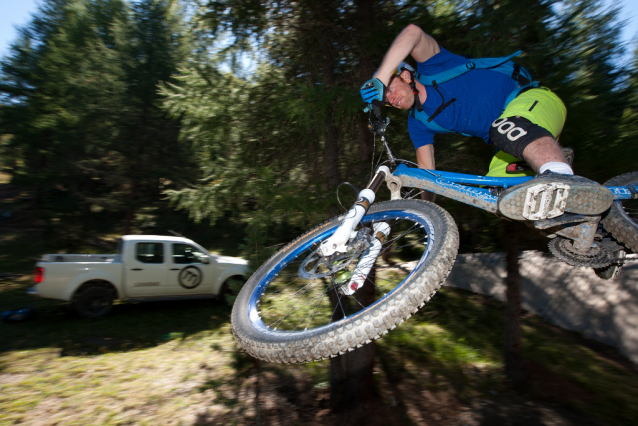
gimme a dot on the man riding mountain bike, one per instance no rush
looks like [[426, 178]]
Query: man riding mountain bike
[[494, 99]]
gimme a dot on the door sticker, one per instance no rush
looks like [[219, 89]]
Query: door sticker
[[190, 277]]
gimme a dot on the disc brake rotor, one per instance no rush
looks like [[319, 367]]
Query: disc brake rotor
[[318, 266]]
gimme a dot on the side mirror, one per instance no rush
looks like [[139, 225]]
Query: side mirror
[[206, 260]]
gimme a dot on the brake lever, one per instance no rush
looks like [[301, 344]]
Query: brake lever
[[378, 126]]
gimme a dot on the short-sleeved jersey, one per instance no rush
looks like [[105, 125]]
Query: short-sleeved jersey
[[480, 95]]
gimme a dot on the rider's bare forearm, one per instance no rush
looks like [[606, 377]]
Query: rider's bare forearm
[[425, 159], [411, 41]]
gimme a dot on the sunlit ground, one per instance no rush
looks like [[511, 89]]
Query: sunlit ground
[[176, 363]]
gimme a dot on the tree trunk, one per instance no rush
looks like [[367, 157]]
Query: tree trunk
[[331, 154], [351, 374], [365, 15], [514, 364], [352, 390], [130, 211]]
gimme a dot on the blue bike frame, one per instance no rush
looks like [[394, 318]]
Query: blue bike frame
[[455, 186]]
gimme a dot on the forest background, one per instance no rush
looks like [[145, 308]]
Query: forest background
[[233, 123], [114, 114]]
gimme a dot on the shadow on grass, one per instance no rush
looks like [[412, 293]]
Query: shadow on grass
[[130, 326], [254, 392], [458, 338], [453, 346]]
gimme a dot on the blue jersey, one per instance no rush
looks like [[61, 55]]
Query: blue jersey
[[480, 95]]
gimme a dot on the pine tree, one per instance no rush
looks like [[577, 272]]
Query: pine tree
[[61, 85], [81, 103]]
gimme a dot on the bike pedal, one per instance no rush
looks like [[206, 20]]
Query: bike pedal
[[550, 195], [545, 201]]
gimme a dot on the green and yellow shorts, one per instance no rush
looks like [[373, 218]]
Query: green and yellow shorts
[[542, 107]]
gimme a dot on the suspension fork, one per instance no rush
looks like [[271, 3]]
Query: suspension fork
[[339, 240]]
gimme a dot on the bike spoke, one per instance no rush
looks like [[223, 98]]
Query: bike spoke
[[316, 307], [289, 297], [297, 302], [289, 311]]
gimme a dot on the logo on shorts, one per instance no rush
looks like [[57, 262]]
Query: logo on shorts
[[508, 129]]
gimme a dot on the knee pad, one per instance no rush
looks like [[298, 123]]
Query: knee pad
[[513, 134]]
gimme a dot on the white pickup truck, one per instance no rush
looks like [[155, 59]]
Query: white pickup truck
[[145, 267]]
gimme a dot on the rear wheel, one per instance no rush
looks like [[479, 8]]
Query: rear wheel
[[294, 308], [94, 302], [622, 219]]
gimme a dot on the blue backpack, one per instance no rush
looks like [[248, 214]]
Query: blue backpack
[[503, 65]]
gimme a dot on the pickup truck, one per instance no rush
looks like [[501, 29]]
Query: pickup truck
[[146, 267]]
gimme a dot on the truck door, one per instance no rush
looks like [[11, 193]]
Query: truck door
[[146, 270], [190, 271]]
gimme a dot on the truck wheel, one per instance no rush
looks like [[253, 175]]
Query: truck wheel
[[94, 302]]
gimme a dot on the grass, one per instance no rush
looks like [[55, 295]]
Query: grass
[[174, 363]]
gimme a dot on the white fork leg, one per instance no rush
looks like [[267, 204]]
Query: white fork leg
[[381, 232], [338, 241]]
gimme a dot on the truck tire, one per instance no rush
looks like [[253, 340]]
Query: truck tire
[[94, 302]]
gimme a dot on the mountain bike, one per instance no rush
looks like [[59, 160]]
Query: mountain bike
[[304, 303]]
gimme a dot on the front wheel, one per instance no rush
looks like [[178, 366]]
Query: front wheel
[[294, 310], [622, 219]]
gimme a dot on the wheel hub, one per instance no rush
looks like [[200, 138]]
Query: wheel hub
[[318, 266]]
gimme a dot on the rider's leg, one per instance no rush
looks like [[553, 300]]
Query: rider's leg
[[544, 151], [528, 129]]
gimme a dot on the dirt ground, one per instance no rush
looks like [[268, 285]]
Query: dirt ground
[[266, 398]]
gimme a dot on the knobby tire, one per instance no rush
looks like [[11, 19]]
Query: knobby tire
[[419, 229], [621, 219]]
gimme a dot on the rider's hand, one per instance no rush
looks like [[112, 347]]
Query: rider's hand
[[373, 90]]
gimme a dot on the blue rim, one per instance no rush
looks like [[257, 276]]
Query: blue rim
[[253, 315]]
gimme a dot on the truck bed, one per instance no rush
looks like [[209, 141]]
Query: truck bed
[[83, 258]]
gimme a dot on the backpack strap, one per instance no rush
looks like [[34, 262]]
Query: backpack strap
[[424, 118], [482, 63], [503, 65]]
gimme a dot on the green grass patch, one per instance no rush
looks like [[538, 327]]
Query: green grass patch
[[148, 362], [174, 363]]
